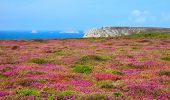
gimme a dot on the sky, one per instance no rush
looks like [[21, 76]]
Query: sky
[[82, 14]]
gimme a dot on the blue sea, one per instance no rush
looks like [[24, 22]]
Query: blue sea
[[27, 35]]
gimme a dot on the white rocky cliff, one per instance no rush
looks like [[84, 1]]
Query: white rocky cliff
[[119, 31]]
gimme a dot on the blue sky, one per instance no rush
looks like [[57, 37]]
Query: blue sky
[[82, 14]]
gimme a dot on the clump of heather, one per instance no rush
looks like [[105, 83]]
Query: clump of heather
[[145, 89], [92, 59], [106, 76], [142, 65], [166, 58], [166, 73], [82, 83]]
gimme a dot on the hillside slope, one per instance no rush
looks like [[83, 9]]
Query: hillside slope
[[119, 31]]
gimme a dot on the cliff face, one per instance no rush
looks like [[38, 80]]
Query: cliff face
[[119, 31]]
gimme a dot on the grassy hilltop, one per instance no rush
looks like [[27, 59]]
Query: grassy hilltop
[[128, 67]]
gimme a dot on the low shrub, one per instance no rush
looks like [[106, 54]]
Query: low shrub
[[39, 61], [15, 47], [96, 97], [82, 69], [107, 76], [65, 94], [3, 76], [117, 72], [92, 59], [166, 58], [118, 94], [167, 73], [105, 84], [29, 92], [25, 82]]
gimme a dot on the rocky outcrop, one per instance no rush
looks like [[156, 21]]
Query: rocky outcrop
[[119, 31]]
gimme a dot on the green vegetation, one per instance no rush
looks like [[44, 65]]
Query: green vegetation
[[26, 82], [82, 69], [117, 72], [167, 73], [3, 76], [105, 84], [67, 94], [92, 59], [96, 97], [43, 81], [149, 35], [166, 58], [29, 92], [117, 94], [39, 61]]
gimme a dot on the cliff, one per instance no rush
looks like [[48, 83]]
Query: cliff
[[119, 31]]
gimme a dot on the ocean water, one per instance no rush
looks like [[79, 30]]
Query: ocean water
[[27, 35]]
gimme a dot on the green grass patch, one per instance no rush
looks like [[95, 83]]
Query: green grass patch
[[82, 69], [64, 94], [92, 59], [93, 47], [117, 72], [105, 84], [39, 61], [29, 92], [3, 76], [149, 35], [118, 94]]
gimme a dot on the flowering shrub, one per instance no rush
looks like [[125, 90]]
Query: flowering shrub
[[92, 59], [167, 73], [86, 69], [81, 83], [141, 65], [106, 76]]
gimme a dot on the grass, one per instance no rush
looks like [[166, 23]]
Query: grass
[[64, 94], [29, 92], [105, 84], [82, 69], [39, 61], [3, 76], [117, 72], [149, 35], [117, 94], [92, 59]]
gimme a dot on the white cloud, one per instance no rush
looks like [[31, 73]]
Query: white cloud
[[139, 16]]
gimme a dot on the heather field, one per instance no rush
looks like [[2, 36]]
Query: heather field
[[135, 67]]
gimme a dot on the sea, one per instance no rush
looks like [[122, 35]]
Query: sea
[[27, 35]]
